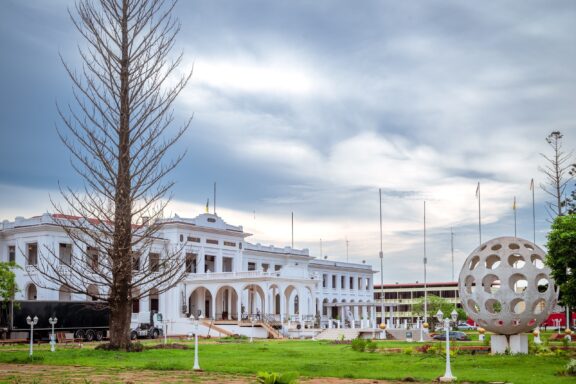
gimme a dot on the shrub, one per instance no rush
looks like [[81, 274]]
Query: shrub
[[277, 378], [359, 345], [570, 368], [371, 346], [135, 347]]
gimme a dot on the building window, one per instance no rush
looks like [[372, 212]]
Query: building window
[[277, 268], [154, 301], [359, 286], [209, 263], [65, 293], [135, 261], [368, 282], [230, 244], [333, 281], [92, 258], [135, 305], [324, 280], [92, 293], [12, 253], [251, 266], [154, 262], [342, 282], [193, 239], [33, 254], [191, 262], [65, 254], [211, 241], [135, 300], [31, 293], [351, 283], [181, 238], [265, 267], [227, 264]]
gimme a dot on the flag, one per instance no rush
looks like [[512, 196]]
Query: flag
[[478, 190], [532, 184], [207, 205], [514, 204]]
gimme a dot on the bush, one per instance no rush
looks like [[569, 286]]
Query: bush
[[570, 368], [135, 347], [277, 378], [359, 345], [371, 346]]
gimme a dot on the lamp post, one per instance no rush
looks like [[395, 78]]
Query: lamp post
[[440, 316], [32, 323], [195, 321], [52, 321], [252, 331]]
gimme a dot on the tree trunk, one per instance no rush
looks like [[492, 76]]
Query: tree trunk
[[121, 296], [120, 315]]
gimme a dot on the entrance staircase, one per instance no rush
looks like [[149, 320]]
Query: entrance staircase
[[338, 334], [212, 327], [272, 332]]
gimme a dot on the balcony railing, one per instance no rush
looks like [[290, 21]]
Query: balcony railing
[[238, 275]]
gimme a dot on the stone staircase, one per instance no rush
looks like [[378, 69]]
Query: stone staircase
[[212, 327], [338, 334], [400, 334], [273, 333]]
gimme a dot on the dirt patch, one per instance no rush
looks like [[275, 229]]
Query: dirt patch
[[39, 374]]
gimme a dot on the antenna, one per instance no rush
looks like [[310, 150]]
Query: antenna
[[292, 230]]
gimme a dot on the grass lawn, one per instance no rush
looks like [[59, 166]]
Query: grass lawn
[[310, 359]]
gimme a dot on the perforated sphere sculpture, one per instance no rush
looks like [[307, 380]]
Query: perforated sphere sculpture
[[505, 287]]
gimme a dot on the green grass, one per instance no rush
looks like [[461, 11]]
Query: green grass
[[311, 359]]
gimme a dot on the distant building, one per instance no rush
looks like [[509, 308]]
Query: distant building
[[228, 280], [400, 298]]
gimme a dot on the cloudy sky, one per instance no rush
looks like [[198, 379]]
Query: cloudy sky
[[312, 106]]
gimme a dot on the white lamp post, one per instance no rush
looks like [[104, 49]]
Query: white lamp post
[[32, 323], [440, 316], [252, 331], [195, 321], [52, 321]]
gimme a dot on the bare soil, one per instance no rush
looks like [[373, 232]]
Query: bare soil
[[38, 374]]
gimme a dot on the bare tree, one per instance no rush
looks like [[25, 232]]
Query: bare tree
[[557, 174], [118, 133]]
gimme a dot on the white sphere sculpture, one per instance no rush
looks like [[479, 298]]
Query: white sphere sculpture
[[505, 287]]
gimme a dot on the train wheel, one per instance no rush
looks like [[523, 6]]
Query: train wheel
[[89, 335], [99, 335], [79, 334]]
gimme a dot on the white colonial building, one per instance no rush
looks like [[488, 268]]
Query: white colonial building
[[229, 283]]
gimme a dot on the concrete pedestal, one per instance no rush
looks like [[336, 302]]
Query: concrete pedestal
[[498, 344], [513, 344], [519, 344]]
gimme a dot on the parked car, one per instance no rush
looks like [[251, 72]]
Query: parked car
[[462, 326], [453, 335]]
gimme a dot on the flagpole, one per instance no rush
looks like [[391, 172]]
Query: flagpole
[[479, 213], [425, 262], [292, 230], [514, 208], [533, 211], [381, 264], [452, 249]]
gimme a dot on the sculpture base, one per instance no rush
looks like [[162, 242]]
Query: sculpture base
[[514, 344], [445, 379]]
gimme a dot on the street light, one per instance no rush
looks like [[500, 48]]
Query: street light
[[195, 321], [440, 316], [52, 321], [32, 323]]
